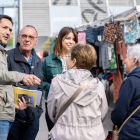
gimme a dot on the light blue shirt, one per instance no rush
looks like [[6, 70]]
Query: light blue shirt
[[1, 47]]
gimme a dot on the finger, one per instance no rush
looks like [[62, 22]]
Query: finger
[[24, 102], [30, 82], [36, 78], [16, 106], [36, 82]]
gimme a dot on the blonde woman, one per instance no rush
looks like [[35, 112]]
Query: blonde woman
[[83, 118]]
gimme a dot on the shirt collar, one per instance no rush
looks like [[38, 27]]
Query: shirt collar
[[1, 47]]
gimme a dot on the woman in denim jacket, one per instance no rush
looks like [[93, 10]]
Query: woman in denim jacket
[[56, 63]]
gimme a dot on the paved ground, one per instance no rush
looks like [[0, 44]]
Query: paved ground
[[42, 135]]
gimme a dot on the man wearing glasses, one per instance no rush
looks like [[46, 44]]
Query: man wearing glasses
[[23, 59]]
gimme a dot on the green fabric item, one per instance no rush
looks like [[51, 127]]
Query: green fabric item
[[52, 66], [113, 62]]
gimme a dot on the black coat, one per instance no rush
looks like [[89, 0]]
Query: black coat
[[16, 62]]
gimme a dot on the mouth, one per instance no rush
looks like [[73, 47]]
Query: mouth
[[6, 38], [26, 44]]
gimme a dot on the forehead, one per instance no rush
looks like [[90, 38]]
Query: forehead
[[28, 31], [6, 22]]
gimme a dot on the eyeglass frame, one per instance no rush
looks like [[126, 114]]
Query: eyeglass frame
[[28, 37]]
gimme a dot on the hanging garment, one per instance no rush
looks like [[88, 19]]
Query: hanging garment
[[82, 38], [112, 62], [103, 54], [112, 33], [132, 31], [117, 79], [94, 34]]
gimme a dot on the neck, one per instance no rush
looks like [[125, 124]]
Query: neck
[[64, 53], [26, 54]]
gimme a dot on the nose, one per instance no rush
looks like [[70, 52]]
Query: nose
[[8, 32], [27, 38], [72, 41]]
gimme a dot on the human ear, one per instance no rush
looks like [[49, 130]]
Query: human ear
[[135, 61], [74, 62]]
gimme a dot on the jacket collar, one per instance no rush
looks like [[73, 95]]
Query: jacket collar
[[54, 56], [19, 57], [2, 48]]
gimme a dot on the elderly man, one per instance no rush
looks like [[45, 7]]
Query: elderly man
[[23, 58], [7, 107]]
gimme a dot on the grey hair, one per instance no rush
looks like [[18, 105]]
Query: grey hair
[[32, 27], [134, 52]]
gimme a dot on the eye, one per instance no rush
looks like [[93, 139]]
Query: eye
[[31, 37], [24, 36]]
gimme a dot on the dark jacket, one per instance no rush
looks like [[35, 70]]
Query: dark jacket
[[16, 62], [127, 102], [52, 66]]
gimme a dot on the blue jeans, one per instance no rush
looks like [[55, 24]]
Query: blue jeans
[[4, 129], [93, 33], [21, 131]]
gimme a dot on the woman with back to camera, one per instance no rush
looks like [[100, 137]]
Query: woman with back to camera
[[56, 63], [129, 97], [82, 120]]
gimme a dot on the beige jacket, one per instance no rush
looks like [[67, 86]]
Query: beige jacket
[[7, 106], [83, 118]]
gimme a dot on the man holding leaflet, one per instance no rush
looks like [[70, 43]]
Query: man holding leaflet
[[23, 59]]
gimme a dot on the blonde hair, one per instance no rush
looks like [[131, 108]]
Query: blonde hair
[[85, 56]]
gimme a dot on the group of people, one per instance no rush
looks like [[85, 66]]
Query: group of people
[[60, 76]]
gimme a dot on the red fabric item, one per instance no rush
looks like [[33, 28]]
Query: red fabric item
[[123, 51], [117, 80]]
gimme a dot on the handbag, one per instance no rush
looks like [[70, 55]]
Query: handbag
[[71, 99], [116, 131]]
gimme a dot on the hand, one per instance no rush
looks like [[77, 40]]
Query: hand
[[31, 80], [21, 105]]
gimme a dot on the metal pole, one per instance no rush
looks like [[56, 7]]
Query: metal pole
[[107, 5], [20, 15], [135, 4], [78, 1], [14, 31]]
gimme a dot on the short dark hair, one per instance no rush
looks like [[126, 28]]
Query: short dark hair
[[45, 54], [7, 17]]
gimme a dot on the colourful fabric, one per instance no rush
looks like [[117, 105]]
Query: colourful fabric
[[112, 33], [64, 65], [82, 38], [132, 31], [112, 62]]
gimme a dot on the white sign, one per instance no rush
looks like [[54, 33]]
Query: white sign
[[61, 16]]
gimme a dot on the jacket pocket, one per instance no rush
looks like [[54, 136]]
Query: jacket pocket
[[53, 70]]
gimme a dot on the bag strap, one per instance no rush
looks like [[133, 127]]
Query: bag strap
[[129, 118], [73, 97]]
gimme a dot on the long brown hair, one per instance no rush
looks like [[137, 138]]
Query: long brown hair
[[58, 45]]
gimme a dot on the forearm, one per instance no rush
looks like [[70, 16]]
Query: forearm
[[10, 77]]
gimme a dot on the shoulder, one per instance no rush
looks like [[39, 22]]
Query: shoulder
[[50, 58], [10, 52]]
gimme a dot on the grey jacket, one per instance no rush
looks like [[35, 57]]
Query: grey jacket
[[7, 106]]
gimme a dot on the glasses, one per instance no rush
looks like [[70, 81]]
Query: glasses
[[30, 37]]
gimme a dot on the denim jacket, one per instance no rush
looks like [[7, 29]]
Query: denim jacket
[[52, 66]]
